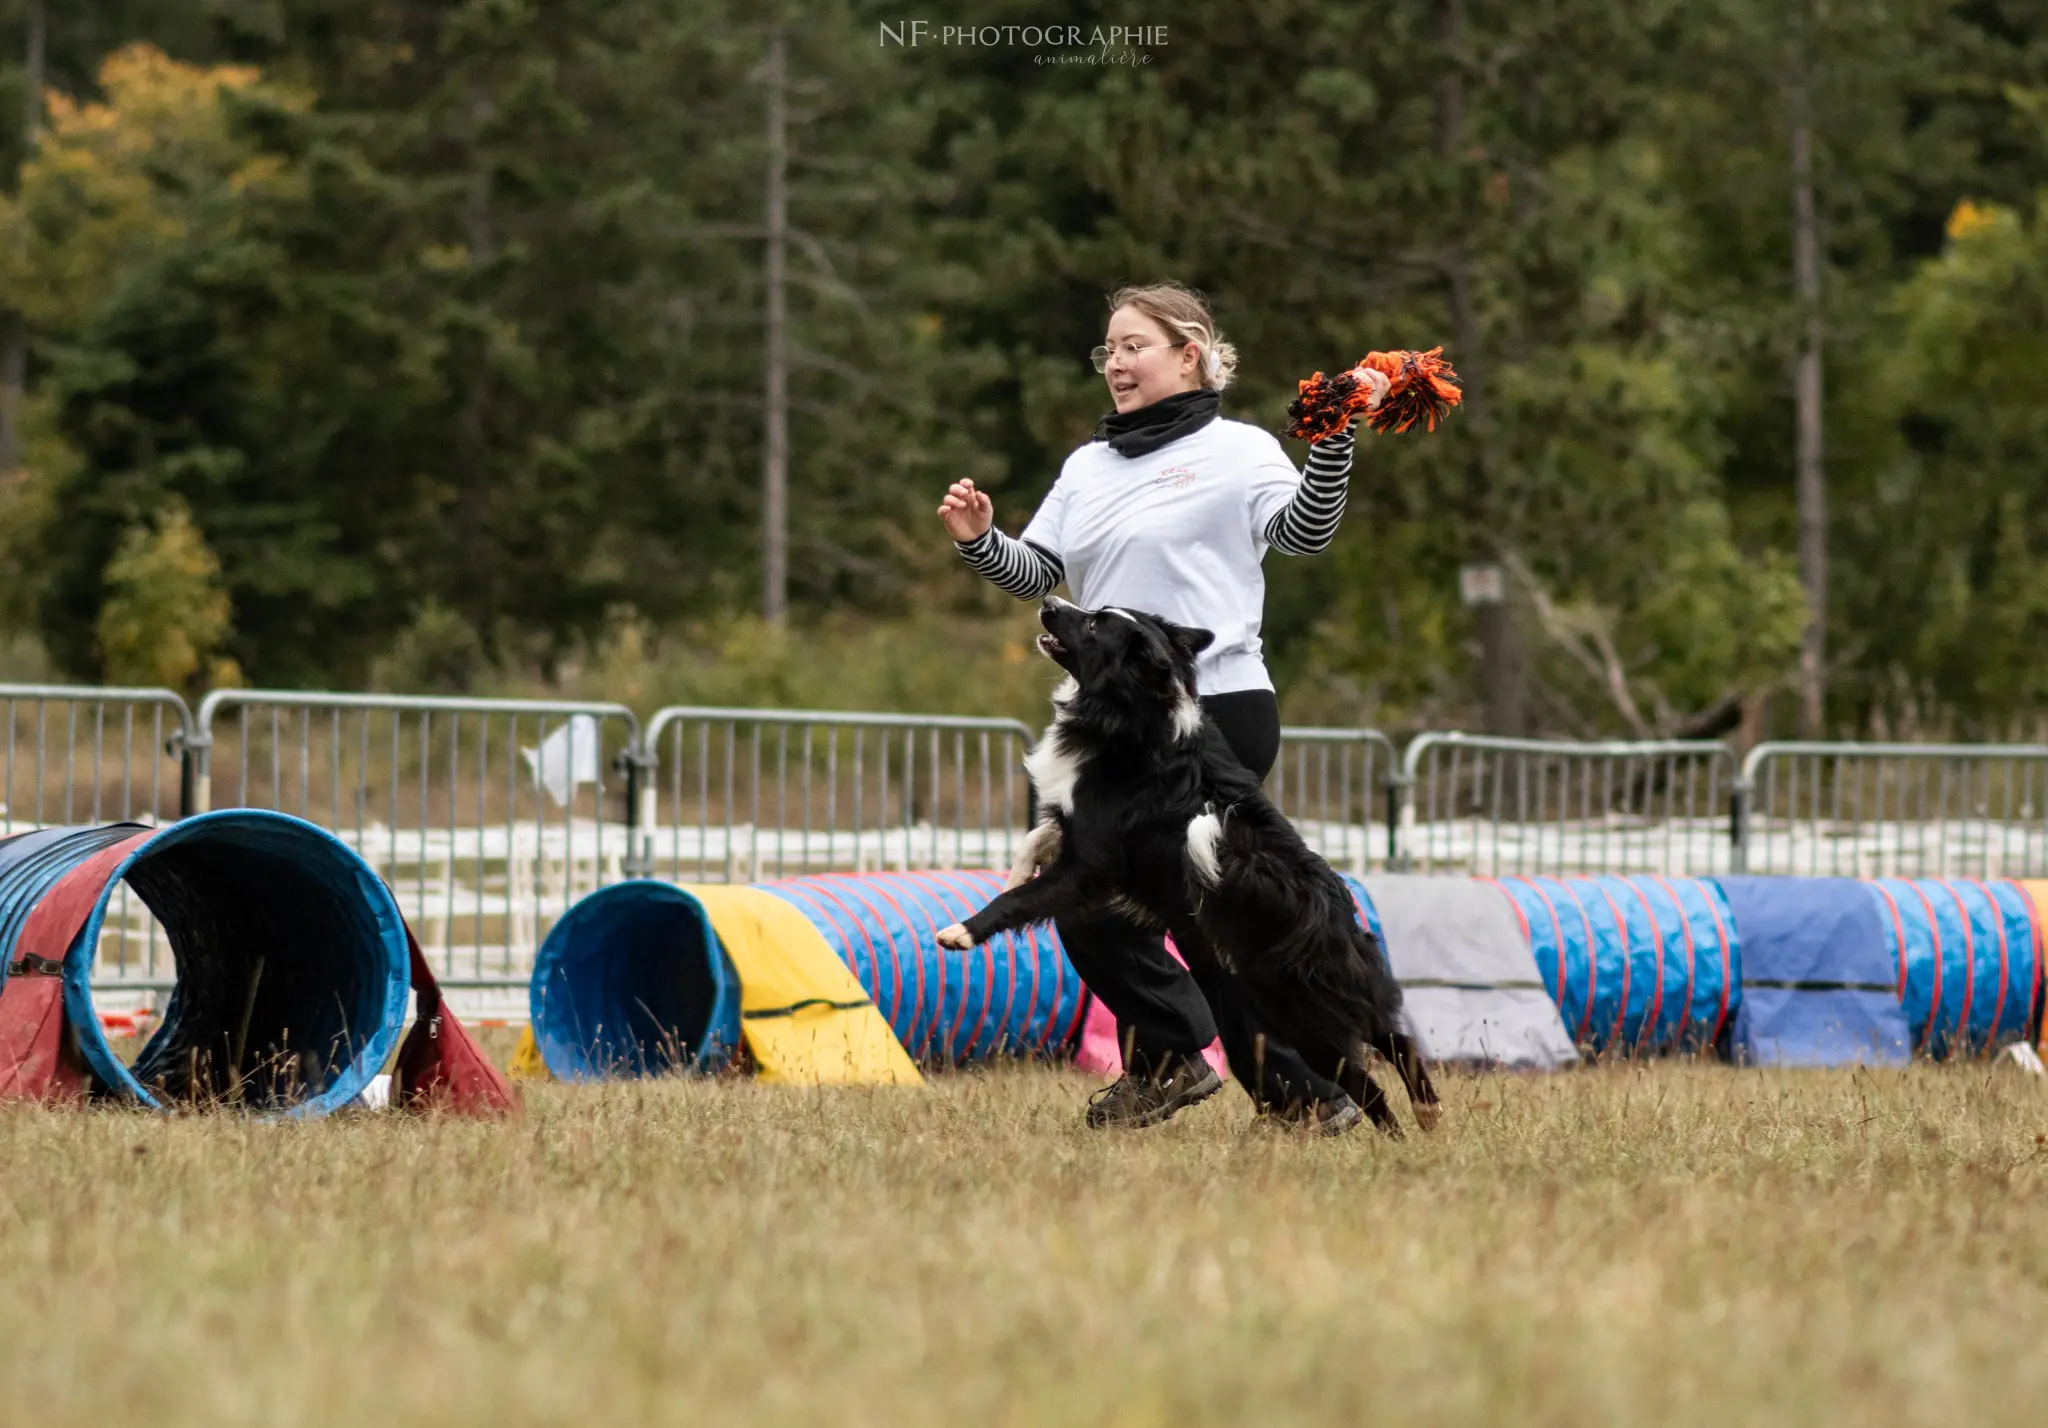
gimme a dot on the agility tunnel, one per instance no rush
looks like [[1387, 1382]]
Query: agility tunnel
[[1818, 984], [1471, 990], [1787, 971], [1636, 965], [1877, 971], [1967, 955], [633, 981], [1015, 995], [830, 978], [840, 977], [292, 963]]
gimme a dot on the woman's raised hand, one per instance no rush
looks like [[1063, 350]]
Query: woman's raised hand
[[1380, 382], [967, 513]]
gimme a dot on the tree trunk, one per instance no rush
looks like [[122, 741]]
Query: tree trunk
[[1754, 726], [1813, 497], [13, 334], [13, 382], [481, 572], [775, 394], [1500, 651]]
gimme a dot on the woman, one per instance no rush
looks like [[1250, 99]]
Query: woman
[[1170, 508]]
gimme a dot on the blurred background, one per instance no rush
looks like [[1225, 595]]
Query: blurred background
[[623, 350]]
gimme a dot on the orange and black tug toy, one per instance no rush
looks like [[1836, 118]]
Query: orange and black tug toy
[[1420, 387]]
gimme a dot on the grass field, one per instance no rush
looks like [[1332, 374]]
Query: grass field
[[1671, 1245]]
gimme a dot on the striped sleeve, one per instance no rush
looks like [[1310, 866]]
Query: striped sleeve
[[1308, 523], [1015, 567]]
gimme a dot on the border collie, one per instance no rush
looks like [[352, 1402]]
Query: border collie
[[1146, 811]]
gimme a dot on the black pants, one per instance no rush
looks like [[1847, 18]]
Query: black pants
[[1165, 1012]]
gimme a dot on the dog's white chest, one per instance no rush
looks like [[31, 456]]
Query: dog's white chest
[[1054, 771]]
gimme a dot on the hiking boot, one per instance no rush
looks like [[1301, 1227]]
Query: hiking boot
[[1133, 1101], [1320, 1118]]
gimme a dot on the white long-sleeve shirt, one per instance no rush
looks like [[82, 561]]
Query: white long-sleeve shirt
[[1178, 532]]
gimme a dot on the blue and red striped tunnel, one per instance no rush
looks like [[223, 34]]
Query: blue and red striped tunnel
[[1757, 969], [292, 960]]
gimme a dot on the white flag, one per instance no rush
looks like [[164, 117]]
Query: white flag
[[565, 758]]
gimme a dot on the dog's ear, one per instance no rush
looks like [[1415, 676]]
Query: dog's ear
[[1190, 640]]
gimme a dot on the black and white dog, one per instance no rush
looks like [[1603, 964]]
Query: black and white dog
[[1145, 811]]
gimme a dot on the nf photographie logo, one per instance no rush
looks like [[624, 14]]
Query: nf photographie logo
[[1054, 44]]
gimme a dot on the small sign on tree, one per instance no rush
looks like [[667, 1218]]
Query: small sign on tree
[[1481, 584]]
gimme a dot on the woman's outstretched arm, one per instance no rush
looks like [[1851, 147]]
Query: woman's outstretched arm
[[1024, 568], [1307, 524]]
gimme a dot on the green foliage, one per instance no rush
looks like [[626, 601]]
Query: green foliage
[[438, 653], [1715, 620], [1959, 609], [166, 616]]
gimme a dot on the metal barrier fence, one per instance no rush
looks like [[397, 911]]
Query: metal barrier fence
[[1476, 804], [1340, 787], [488, 817], [91, 755], [1885, 810], [77, 755], [744, 794]]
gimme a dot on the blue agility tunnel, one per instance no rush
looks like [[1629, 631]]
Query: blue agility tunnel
[[1637, 965], [644, 977], [1965, 960], [1819, 981], [1015, 995], [1571, 944], [632, 981], [292, 962]]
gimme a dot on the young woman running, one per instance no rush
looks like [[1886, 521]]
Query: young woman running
[[1170, 508]]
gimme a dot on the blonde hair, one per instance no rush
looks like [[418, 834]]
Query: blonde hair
[[1184, 314]]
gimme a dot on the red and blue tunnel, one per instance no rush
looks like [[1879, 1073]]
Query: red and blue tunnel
[[1779, 970], [292, 960], [1967, 954], [1636, 965], [1794, 971]]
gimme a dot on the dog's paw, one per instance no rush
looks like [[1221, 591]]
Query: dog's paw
[[1430, 1115], [955, 937]]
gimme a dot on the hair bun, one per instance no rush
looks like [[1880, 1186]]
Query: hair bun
[[1222, 365]]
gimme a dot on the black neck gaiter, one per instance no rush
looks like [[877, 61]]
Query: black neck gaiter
[[1144, 431]]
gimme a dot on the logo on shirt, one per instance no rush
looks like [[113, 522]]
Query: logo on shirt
[[1176, 478]]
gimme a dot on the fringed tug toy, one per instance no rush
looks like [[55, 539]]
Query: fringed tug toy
[[1420, 387]]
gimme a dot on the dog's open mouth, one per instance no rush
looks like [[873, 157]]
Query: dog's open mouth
[[1050, 645]]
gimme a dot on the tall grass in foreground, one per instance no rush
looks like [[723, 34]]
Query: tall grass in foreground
[[1672, 1244]]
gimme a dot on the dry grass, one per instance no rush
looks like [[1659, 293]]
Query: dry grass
[[1677, 1245]]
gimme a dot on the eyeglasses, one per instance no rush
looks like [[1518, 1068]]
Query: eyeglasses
[[1129, 351]]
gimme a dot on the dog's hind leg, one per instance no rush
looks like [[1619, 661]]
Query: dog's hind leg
[[1373, 1101], [1352, 1072], [1398, 1048]]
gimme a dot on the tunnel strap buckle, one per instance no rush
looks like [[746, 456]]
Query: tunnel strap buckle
[[33, 966]]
